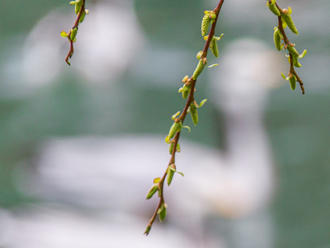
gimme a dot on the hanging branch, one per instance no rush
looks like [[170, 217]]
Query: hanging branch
[[188, 91], [285, 20], [71, 35]]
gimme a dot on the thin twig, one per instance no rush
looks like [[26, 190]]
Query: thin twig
[[287, 43], [75, 25], [192, 83]]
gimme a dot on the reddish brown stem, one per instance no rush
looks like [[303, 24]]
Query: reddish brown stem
[[192, 83], [287, 43], [75, 25]]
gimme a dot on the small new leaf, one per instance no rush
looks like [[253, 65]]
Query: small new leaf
[[64, 34], [303, 54], [202, 103], [152, 191]]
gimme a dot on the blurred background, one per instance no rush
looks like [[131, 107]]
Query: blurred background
[[80, 145]]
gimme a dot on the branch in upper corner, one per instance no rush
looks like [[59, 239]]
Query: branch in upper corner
[[81, 12], [284, 21]]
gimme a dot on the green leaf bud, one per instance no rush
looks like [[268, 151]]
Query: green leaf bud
[[288, 20], [277, 39], [205, 24], [212, 15], [272, 7], [295, 61], [82, 17], [176, 127], [184, 88], [292, 81], [171, 148], [146, 232], [162, 213], [283, 76], [167, 140], [193, 113], [178, 147], [198, 69], [152, 191], [292, 50], [73, 33], [185, 94], [185, 79], [199, 55], [170, 173]]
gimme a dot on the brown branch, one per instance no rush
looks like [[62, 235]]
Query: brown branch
[[75, 25], [287, 43], [192, 83]]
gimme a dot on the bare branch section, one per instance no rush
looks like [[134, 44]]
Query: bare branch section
[[188, 91], [81, 12]]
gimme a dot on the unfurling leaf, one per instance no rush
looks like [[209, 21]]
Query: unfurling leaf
[[175, 115], [64, 34], [187, 128], [202, 103], [303, 54]]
